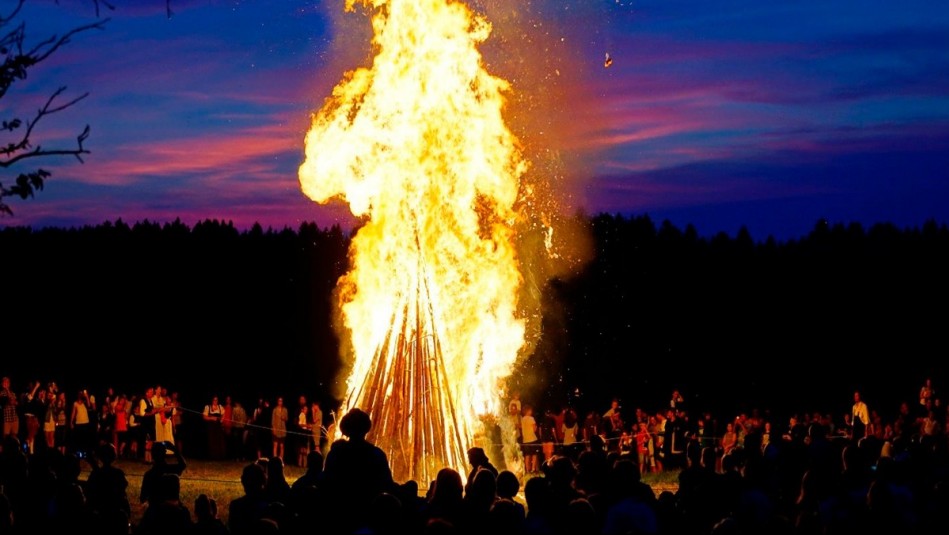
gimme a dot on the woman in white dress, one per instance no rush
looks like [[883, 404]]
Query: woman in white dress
[[164, 431]]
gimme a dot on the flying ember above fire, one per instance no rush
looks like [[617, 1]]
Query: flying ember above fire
[[418, 146]]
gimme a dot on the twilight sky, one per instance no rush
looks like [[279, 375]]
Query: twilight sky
[[720, 114]]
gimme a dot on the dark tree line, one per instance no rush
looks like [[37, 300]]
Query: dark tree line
[[741, 323], [728, 320], [206, 307]]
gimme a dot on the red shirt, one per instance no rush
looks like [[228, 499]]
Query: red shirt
[[642, 441]]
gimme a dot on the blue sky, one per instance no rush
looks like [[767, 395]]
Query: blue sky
[[770, 115]]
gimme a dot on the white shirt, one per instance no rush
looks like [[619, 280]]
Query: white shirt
[[82, 415], [861, 412]]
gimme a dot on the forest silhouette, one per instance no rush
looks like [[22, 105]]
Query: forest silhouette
[[733, 322]]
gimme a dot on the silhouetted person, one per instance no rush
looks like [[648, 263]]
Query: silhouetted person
[[307, 510], [314, 471], [246, 512], [69, 512], [307, 485], [580, 517], [413, 505], [592, 467], [506, 517], [107, 485], [165, 514], [206, 517], [479, 497], [277, 488], [446, 500], [478, 459], [14, 472], [260, 421], [632, 503], [386, 515], [508, 486], [160, 467], [439, 526], [701, 494], [538, 520], [356, 471], [821, 454], [6, 515]]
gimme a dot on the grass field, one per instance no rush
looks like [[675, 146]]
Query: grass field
[[221, 480]]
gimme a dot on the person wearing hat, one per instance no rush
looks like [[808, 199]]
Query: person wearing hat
[[160, 467], [356, 471]]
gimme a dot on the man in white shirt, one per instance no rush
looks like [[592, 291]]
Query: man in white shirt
[[860, 417]]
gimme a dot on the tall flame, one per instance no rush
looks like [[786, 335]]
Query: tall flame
[[418, 147]]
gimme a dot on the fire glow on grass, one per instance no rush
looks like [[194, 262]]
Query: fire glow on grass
[[418, 147]]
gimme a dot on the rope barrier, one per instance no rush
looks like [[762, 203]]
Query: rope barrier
[[236, 481], [249, 424], [325, 432]]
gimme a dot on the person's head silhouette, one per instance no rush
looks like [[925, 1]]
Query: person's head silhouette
[[355, 424]]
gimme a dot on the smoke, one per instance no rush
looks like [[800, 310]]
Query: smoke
[[540, 55]]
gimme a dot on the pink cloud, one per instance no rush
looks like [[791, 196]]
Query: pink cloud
[[275, 208], [222, 156]]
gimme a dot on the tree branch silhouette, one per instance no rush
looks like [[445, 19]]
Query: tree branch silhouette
[[22, 149], [18, 58]]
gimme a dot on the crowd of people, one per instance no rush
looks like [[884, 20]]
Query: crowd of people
[[812, 474], [44, 417], [659, 438]]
